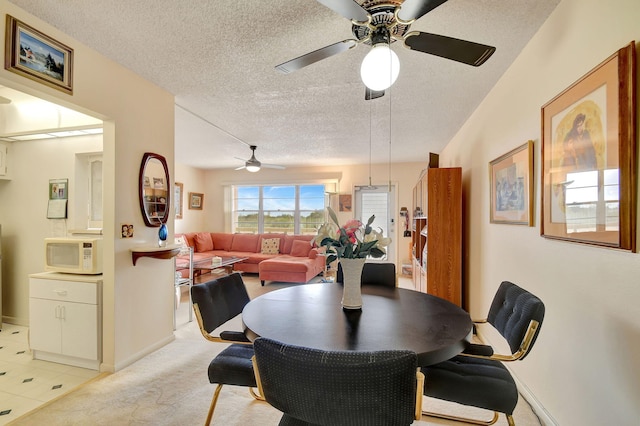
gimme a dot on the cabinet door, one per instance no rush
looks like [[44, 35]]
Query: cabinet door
[[80, 330], [44, 325]]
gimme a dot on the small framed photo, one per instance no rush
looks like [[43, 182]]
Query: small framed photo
[[177, 199], [511, 185], [196, 201], [344, 201], [58, 189], [37, 56], [589, 166]]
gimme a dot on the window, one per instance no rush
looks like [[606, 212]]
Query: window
[[88, 191], [291, 209], [587, 209]]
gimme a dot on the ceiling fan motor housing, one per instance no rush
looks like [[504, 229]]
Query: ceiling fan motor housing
[[383, 24]]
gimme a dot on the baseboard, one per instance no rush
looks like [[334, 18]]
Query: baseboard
[[141, 354], [24, 322], [536, 406]]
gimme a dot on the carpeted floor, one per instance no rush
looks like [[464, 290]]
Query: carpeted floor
[[170, 387]]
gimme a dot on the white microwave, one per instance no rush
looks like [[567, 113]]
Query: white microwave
[[73, 255]]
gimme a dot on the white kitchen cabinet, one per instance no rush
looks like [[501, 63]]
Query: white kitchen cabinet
[[65, 318]]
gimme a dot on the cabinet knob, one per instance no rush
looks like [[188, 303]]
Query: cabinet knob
[[61, 292]]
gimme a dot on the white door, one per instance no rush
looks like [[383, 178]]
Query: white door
[[378, 201]]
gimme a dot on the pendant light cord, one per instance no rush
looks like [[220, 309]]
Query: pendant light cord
[[390, 80], [370, 143]]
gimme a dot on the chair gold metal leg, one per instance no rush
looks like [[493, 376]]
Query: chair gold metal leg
[[256, 395], [467, 420], [510, 420], [212, 407]]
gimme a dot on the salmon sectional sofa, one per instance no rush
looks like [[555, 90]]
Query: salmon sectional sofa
[[275, 257]]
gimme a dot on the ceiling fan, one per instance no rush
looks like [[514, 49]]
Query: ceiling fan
[[253, 165], [379, 23]]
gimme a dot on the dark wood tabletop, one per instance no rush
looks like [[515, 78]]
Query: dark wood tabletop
[[310, 315]]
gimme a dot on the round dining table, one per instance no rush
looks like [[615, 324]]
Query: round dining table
[[391, 318]]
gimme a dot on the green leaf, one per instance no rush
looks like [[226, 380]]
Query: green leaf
[[333, 216]]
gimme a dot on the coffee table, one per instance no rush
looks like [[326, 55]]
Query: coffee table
[[205, 266]]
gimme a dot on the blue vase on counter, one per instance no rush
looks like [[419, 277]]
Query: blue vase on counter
[[162, 235]]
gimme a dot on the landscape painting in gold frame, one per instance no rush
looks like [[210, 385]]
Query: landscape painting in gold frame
[[589, 167], [511, 183], [37, 56]]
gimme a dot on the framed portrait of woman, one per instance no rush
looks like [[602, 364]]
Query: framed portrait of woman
[[589, 157]]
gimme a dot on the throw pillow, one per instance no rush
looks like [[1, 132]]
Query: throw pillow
[[270, 246], [181, 241], [300, 248], [203, 242]]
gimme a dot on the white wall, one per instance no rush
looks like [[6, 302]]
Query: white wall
[[139, 117], [584, 368], [193, 180]]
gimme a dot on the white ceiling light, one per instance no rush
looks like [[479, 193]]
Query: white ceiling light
[[380, 68]]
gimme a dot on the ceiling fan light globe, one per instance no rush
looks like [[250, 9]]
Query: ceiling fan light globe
[[380, 68], [253, 168]]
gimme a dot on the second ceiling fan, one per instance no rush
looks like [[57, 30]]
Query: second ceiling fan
[[381, 22], [253, 165]]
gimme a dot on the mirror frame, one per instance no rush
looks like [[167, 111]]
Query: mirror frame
[[153, 221]]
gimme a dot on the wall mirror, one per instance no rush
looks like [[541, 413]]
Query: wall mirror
[[154, 189]]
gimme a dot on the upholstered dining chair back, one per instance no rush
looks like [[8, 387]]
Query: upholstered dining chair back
[[383, 274], [219, 300], [316, 387], [215, 302], [512, 310]]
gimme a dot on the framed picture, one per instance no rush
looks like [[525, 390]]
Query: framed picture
[[58, 189], [35, 55], [196, 200], [511, 183], [178, 199], [589, 168], [344, 201]]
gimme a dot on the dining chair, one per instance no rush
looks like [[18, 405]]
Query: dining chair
[[317, 387], [214, 303], [477, 377], [373, 273]]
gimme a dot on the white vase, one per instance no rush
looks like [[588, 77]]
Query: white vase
[[352, 275]]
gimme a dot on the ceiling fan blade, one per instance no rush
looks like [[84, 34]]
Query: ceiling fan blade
[[414, 9], [372, 94], [315, 56], [347, 8], [240, 168], [273, 166], [467, 52]]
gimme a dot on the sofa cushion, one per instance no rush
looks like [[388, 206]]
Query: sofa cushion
[[245, 242], [203, 242], [289, 239], [270, 246], [287, 263], [270, 235], [221, 240], [300, 248]]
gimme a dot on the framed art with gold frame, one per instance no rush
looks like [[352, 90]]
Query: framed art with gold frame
[[196, 201], [37, 56], [511, 183], [589, 167], [178, 191]]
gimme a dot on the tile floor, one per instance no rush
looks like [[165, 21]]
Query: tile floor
[[26, 383]]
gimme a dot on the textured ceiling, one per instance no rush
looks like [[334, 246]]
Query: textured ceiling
[[218, 59]]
